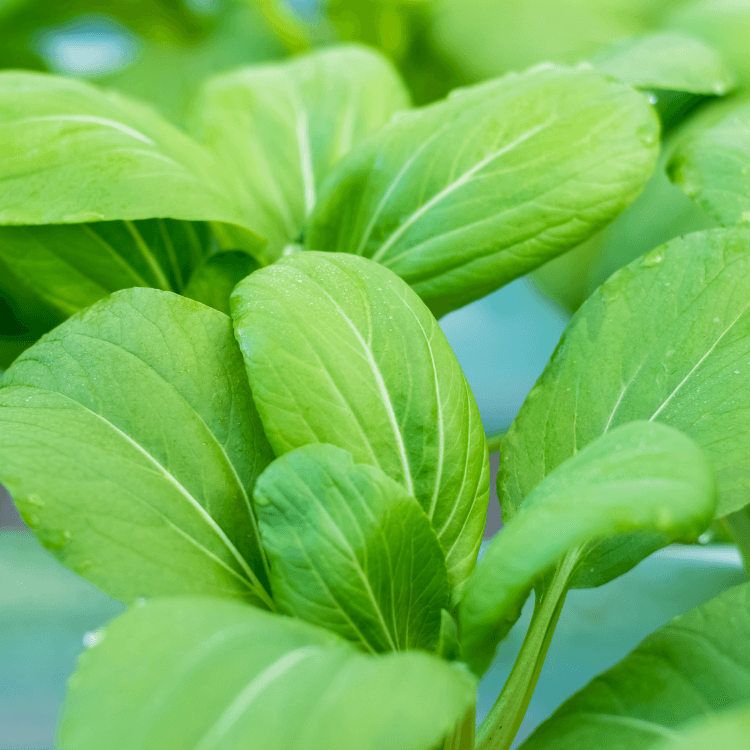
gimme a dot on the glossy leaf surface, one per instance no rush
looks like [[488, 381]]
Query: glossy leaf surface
[[462, 196], [712, 168], [697, 664], [640, 476], [74, 154], [280, 128], [273, 682], [339, 350], [668, 60], [130, 442], [351, 551], [665, 339]]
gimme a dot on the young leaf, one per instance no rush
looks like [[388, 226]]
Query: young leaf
[[668, 60], [339, 350], [129, 440], [697, 664], [638, 476], [462, 196], [211, 674], [74, 154], [281, 127], [665, 339], [351, 551], [711, 166]]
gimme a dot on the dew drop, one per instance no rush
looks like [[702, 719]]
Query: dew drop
[[93, 638]]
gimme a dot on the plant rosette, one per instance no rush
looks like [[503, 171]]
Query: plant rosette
[[291, 481]]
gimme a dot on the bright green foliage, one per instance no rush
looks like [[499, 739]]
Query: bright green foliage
[[217, 675], [638, 476], [279, 129], [339, 350], [658, 61], [71, 266], [351, 551], [712, 168], [77, 154], [695, 665], [321, 456], [728, 730], [463, 196], [668, 339], [130, 442], [723, 23]]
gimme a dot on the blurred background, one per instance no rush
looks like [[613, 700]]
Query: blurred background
[[161, 50]]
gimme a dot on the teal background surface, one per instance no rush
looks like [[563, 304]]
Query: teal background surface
[[47, 613]]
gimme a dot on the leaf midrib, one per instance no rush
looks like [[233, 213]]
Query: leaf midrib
[[380, 382], [222, 450]]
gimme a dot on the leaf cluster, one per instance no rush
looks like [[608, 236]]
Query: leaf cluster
[[250, 426]]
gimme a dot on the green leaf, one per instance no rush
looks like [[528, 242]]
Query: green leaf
[[697, 664], [75, 154], [280, 128], [463, 196], [725, 24], [659, 214], [205, 673], [728, 730], [351, 551], [129, 440], [665, 339], [339, 350], [214, 280], [668, 60], [72, 266], [712, 168], [638, 476]]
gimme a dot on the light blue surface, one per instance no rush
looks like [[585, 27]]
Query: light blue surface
[[46, 612], [598, 627], [503, 343]]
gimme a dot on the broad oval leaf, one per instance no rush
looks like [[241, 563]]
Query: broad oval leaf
[[339, 350], [666, 339], [130, 442], [640, 476], [712, 165], [462, 196], [351, 551], [697, 664], [74, 154], [216, 675], [670, 60], [280, 128]]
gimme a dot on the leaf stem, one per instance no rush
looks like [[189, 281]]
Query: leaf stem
[[495, 440], [501, 725], [291, 32], [462, 737], [738, 526]]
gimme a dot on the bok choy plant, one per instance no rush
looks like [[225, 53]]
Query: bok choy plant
[[249, 425]]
